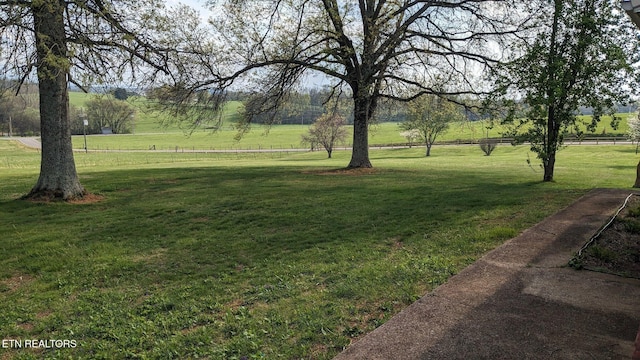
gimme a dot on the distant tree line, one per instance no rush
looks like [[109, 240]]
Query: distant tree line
[[105, 113], [307, 106], [19, 113]]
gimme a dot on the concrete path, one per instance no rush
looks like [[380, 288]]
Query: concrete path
[[31, 142], [520, 301]]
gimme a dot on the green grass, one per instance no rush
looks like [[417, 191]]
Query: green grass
[[278, 137], [275, 256], [148, 132], [260, 137]]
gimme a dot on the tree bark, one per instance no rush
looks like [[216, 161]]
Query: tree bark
[[364, 107], [58, 176], [549, 166], [428, 150], [549, 162], [637, 184], [360, 154]]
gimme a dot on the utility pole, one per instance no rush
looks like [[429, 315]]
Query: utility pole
[[85, 122]]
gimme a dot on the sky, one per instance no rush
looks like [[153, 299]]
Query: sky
[[311, 80], [199, 5]]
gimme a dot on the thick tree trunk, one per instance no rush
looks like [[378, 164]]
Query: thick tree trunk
[[428, 150], [363, 109], [360, 153], [58, 176]]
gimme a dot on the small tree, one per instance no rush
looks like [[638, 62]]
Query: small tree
[[411, 136], [634, 130], [120, 94], [634, 135], [19, 113], [488, 145], [582, 55], [327, 131], [430, 116]]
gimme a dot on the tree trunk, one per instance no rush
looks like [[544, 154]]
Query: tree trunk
[[58, 176], [551, 142], [428, 150], [549, 167], [362, 111], [637, 184]]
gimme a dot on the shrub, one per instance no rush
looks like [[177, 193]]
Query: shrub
[[488, 145]]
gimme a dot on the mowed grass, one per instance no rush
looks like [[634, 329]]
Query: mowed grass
[[148, 133], [277, 137], [252, 256]]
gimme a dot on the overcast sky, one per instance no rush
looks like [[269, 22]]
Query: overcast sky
[[199, 5], [311, 79]]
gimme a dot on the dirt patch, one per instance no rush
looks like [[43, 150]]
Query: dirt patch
[[617, 249], [344, 171], [49, 197], [154, 256], [16, 281], [87, 199], [28, 327]]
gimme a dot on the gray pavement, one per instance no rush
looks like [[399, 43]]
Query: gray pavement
[[520, 301], [31, 142]]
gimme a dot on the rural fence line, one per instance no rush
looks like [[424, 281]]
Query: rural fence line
[[348, 146], [613, 140]]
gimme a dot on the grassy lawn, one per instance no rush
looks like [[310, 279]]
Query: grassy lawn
[[148, 132], [274, 256], [262, 137]]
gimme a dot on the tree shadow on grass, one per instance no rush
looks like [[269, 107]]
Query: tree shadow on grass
[[287, 202]]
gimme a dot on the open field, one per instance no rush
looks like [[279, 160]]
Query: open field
[[261, 137], [249, 256], [148, 133]]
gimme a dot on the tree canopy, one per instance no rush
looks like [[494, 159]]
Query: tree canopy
[[582, 55], [327, 131], [368, 49], [430, 116]]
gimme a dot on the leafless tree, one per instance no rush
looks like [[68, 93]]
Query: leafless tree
[[369, 49], [328, 131]]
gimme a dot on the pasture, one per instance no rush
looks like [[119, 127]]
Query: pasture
[[261, 255], [149, 134]]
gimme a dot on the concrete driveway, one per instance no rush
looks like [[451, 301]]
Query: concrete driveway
[[520, 301]]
